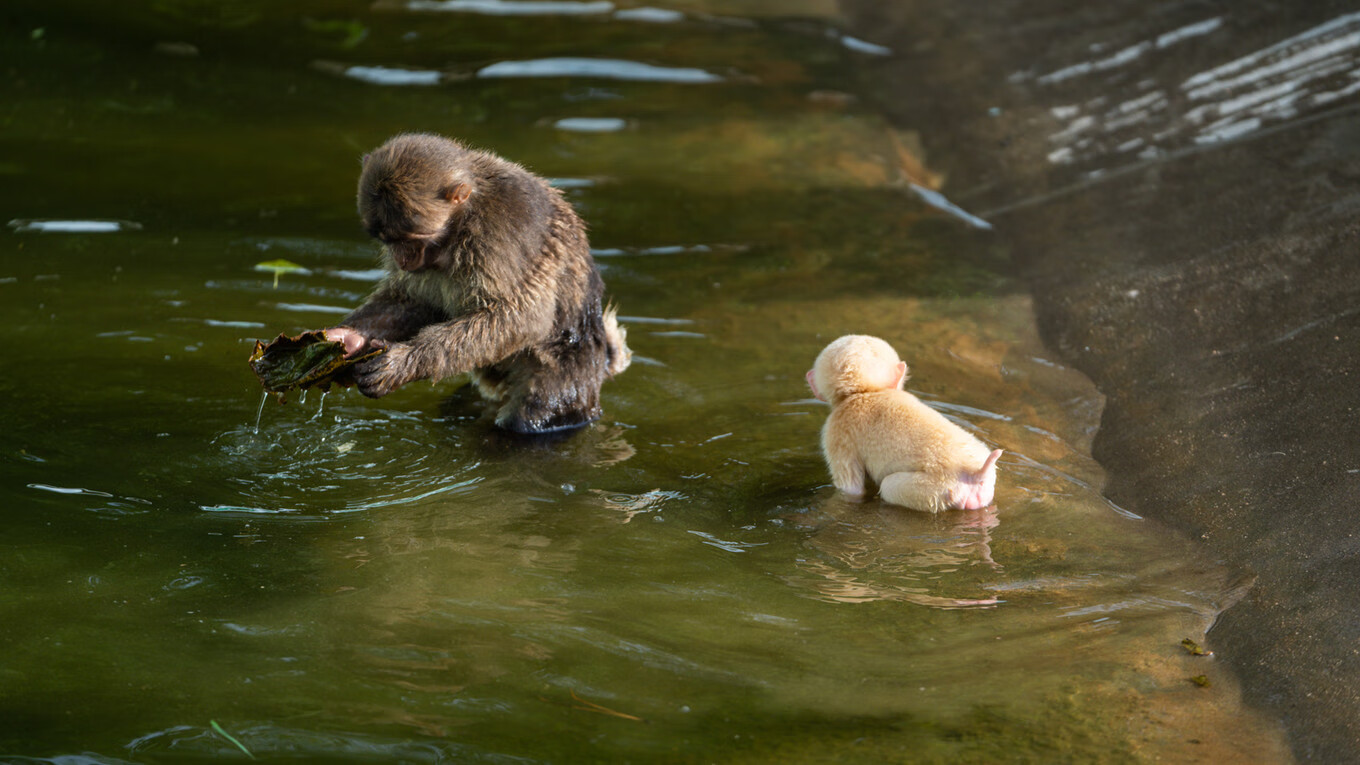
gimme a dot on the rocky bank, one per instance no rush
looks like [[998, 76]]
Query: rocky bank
[[1178, 184]]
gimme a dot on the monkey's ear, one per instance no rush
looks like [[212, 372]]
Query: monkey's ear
[[901, 374], [812, 383], [458, 193], [363, 161]]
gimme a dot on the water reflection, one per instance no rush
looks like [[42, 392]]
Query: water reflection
[[864, 554], [313, 308], [593, 68], [591, 124], [335, 464], [69, 490], [644, 504], [514, 7], [609, 69], [265, 739], [74, 226], [940, 202], [538, 8], [650, 15], [1132, 53], [864, 46], [387, 75], [1279, 82]]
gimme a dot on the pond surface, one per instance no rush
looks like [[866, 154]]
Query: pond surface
[[184, 575]]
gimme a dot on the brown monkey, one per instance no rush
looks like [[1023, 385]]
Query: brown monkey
[[488, 272], [917, 457]]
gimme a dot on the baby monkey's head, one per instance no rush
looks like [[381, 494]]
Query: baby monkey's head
[[855, 364]]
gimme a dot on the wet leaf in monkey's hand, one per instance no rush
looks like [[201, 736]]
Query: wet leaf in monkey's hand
[[306, 361]]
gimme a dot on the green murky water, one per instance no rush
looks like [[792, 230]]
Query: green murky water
[[391, 580]]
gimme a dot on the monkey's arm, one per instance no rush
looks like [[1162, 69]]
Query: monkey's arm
[[387, 316], [847, 470], [391, 315], [437, 351]]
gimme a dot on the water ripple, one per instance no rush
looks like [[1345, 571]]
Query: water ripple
[[91, 226], [591, 124], [514, 7], [1148, 119], [387, 75], [603, 68]]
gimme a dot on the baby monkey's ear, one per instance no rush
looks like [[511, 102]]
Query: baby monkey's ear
[[458, 193], [812, 383], [901, 374]]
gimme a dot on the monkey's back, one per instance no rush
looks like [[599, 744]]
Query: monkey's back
[[897, 432], [575, 344]]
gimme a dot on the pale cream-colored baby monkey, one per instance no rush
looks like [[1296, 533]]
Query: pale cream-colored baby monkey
[[917, 457]]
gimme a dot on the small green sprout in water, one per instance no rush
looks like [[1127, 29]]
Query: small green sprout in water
[[351, 32], [280, 267], [1201, 680], [1194, 648], [231, 738]]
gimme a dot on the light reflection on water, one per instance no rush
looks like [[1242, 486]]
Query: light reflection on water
[[1289, 78], [396, 580]]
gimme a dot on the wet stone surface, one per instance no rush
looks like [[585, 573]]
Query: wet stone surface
[[1179, 185]]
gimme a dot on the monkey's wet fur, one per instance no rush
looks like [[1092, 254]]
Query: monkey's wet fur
[[916, 456], [489, 272]]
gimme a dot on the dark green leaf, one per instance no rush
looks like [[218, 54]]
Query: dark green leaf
[[306, 361]]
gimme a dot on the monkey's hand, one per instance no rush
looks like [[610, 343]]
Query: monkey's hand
[[384, 373], [353, 339]]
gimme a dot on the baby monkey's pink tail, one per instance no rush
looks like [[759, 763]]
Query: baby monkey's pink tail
[[990, 464], [987, 479], [975, 490]]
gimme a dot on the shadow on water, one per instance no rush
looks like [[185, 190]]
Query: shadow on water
[[394, 580]]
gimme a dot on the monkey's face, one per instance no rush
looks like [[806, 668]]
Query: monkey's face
[[414, 223], [414, 253], [413, 247], [413, 235]]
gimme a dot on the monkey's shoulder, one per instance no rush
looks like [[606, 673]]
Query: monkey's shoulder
[[567, 229], [900, 415], [893, 402]]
